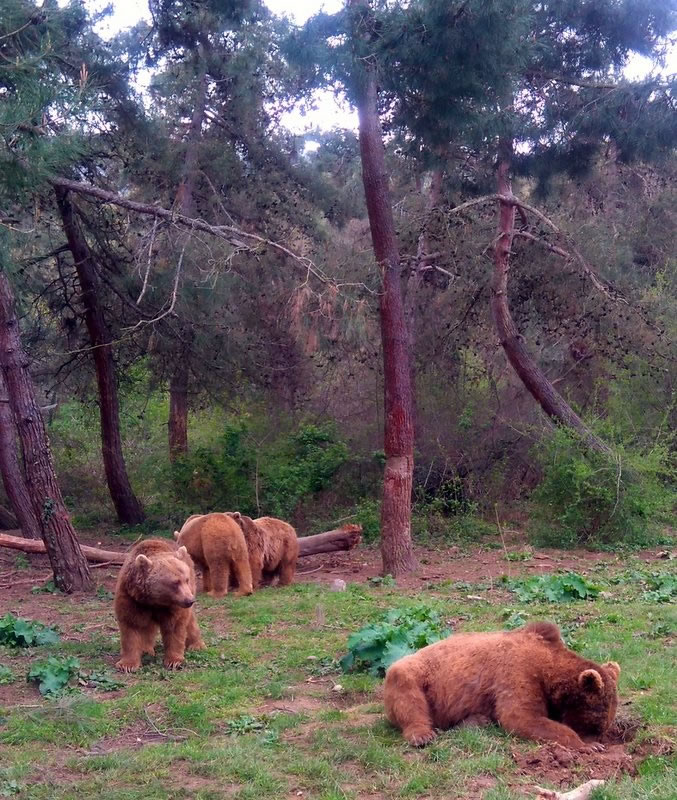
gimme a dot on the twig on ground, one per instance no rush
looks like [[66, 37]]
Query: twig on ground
[[582, 792]]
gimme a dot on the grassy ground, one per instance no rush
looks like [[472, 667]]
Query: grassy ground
[[264, 712]]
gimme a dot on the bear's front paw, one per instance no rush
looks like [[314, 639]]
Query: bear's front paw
[[127, 665], [200, 645], [419, 737], [176, 663], [592, 747]]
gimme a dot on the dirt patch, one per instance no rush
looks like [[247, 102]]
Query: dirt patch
[[563, 767]]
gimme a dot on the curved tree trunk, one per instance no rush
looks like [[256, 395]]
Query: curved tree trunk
[[127, 506], [185, 202], [511, 340], [12, 472], [396, 545], [71, 571]]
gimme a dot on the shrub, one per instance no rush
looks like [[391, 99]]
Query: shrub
[[586, 498], [400, 632]]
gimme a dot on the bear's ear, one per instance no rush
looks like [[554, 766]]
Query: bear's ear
[[176, 535], [236, 515], [182, 553], [590, 681], [614, 668], [143, 562]]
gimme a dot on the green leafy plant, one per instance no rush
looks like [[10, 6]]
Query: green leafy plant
[[400, 632], [18, 632], [21, 561], [382, 580], [246, 723], [100, 679], [556, 588], [53, 674], [514, 619], [662, 588], [519, 555], [6, 675], [47, 588]]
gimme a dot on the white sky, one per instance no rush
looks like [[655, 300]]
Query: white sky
[[328, 111]]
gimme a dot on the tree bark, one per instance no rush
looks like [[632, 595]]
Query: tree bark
[[178, 411], [8, 521], [511, 340], [396, 545], [185, 202], [127, 506], [414, 283], [345, 538], [71, 571], [12, 471]]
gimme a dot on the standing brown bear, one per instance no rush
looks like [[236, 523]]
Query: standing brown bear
[[217, 545], [155, 591], [525, 680], [273, 548]]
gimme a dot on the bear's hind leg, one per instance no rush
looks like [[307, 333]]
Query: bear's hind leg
[[243, 574], [206, 580], [286, 572], [407, 706], [220, 574]]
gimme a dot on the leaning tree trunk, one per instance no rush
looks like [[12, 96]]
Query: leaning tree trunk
[[511, 340], [396, 545], [185, 202], [127, 506], [12, 472], [71, 571]]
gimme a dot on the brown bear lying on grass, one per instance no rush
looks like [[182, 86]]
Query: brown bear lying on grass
[[273, 548], [217, 545], [155, 591], [525, 680]]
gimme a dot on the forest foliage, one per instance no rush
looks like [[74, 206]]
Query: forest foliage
[[269, 330]]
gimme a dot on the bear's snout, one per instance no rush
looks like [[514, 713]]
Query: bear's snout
[[188, 602]]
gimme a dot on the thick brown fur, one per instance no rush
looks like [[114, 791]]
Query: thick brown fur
[[217, 545], [525, 680], [155, 592], [273, 548]]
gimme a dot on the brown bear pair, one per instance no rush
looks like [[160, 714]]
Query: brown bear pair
[[155, 592], [234, 550], [273, 548], [217, 545], [525, 680]]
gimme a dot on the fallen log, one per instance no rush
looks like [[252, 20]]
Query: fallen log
[[344, 538]]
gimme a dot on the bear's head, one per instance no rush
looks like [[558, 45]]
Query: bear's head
[[247, 524], [591, 705], [167, 580]]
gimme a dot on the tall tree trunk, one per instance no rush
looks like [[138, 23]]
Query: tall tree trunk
[[178, 411], [414, 283], [71, 571], [185, 202], [396, 545], [511, 340], [127, 506], [12, 472]]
